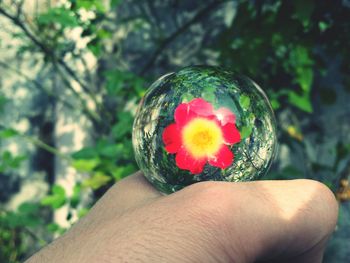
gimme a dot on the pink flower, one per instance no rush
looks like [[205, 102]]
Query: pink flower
[[201, 134]]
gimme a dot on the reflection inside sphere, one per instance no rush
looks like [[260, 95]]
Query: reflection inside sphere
[[203, 123]]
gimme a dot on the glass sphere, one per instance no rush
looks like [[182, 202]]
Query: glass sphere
[[203, 123]]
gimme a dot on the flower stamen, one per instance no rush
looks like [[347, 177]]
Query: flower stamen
[[202, 137]]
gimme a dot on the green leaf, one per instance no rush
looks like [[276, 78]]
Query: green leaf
[[82, 212], [8, 133], [28, 208], [85, 153], [302, 102], [3, 101], [112, 151], [275, 104], [75, 199], [304, 10], [103, 34], [56, 199], [305, 78], [60, 15], [187, 97], [95, 47], [115, 3], [209, 94], [300, 57], [323, 26], [53, 227], [123, 126], [8, 161], [27, 215], [123, 171], [246, 131], [114, 81], [97, 180], [91, 5], [244, 101], [85, 165]]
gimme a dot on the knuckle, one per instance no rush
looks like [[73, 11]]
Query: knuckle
[[325, 203], [213, 202]]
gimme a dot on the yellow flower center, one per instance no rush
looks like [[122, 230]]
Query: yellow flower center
[[202, 137]]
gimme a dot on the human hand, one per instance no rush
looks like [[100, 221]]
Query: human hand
[[261, 221]]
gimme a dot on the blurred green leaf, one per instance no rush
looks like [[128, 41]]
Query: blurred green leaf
[[91, 5], [302, 102], [123, 126], [114, 3], [53, 228], [8, 161], [8, 133], [208, 93], [28, 208], [244, 101], [275, 104], [96, 181], [82, 212], [187, 97], [112, 151], [246, 131], [59, 15], [75, 199], [95, 47], [85, 165], [305, 78], [209, 96], [85, 153], [123, 171], [25, 216], [103, 34], [56, 199], [323, 26], [304, 10], [300, 57], [3, 101], [114, 81]]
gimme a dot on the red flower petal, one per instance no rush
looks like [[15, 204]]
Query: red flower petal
[[223, 158], [201, 107], [230, 133], [225, 116], [185, 161], [171, 138], [183, 114]]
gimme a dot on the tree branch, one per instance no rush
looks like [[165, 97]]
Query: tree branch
[[37, 84], [167, 41], [92, 116], [46, 147], [50, 54], [17, 21]]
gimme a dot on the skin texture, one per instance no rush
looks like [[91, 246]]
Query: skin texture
[[262, 221]]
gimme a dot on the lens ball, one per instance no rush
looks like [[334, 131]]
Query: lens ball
[[203, 123]]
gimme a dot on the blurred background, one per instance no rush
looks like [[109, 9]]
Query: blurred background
[[73, 71]]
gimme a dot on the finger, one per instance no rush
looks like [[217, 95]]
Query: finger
[[268, 220], [130, 192]]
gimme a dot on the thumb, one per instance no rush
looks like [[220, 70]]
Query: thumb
[[283, 221]]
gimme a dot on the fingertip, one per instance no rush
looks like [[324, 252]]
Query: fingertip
[[276, 218], [324, 202]]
